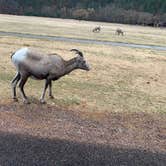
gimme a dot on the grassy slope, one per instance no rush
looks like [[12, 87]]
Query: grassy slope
[[121, 79], [82, 29]]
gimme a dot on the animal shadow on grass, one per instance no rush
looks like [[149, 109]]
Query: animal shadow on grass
[[25, 150]]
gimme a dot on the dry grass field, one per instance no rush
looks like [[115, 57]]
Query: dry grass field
[[121, 79], [114, 114], [82, 29]]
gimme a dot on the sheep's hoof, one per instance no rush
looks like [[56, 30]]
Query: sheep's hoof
[[26, 101], [51, 97], [15, 99], [42, 101]]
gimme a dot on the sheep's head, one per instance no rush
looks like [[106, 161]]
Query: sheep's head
[[81, 62]]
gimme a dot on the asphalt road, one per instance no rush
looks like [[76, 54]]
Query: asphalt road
[[77, 40]]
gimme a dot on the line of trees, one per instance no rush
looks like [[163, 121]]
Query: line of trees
[[145, 12]]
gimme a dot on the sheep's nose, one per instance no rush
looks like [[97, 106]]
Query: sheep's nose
[[88, 67]]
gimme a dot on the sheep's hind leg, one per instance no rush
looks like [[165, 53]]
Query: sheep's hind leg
[[14, 84], [21, 86], [50, 90], [42, 101]]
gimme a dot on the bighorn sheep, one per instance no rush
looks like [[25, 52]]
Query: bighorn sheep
[[119, 32], [97, 29], [30, 63]]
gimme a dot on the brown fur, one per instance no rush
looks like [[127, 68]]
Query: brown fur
[[119, 32]]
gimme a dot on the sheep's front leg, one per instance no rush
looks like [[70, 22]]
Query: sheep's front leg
[[14, 84], [47, 82], [21, 86], [50, 90]]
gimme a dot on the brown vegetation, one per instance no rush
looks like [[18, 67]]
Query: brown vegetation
[[45, 135]]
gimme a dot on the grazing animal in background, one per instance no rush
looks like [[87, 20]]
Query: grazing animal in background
[[97, 29], [119, 32], [50, 67]]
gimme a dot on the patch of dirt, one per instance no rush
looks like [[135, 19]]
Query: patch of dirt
[[48, 135]]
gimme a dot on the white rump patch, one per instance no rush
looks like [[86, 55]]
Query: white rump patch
[[19, 56]]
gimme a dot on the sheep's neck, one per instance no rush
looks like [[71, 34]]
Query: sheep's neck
[[70, 65]]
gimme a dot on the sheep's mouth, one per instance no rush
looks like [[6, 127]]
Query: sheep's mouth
[[88, 68]]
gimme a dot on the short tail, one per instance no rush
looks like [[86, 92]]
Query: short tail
[[12, 55]]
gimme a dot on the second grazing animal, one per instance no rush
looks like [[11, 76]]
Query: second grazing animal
[[30, 63]]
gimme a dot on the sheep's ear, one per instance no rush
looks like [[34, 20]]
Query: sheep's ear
[[77, 52]]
